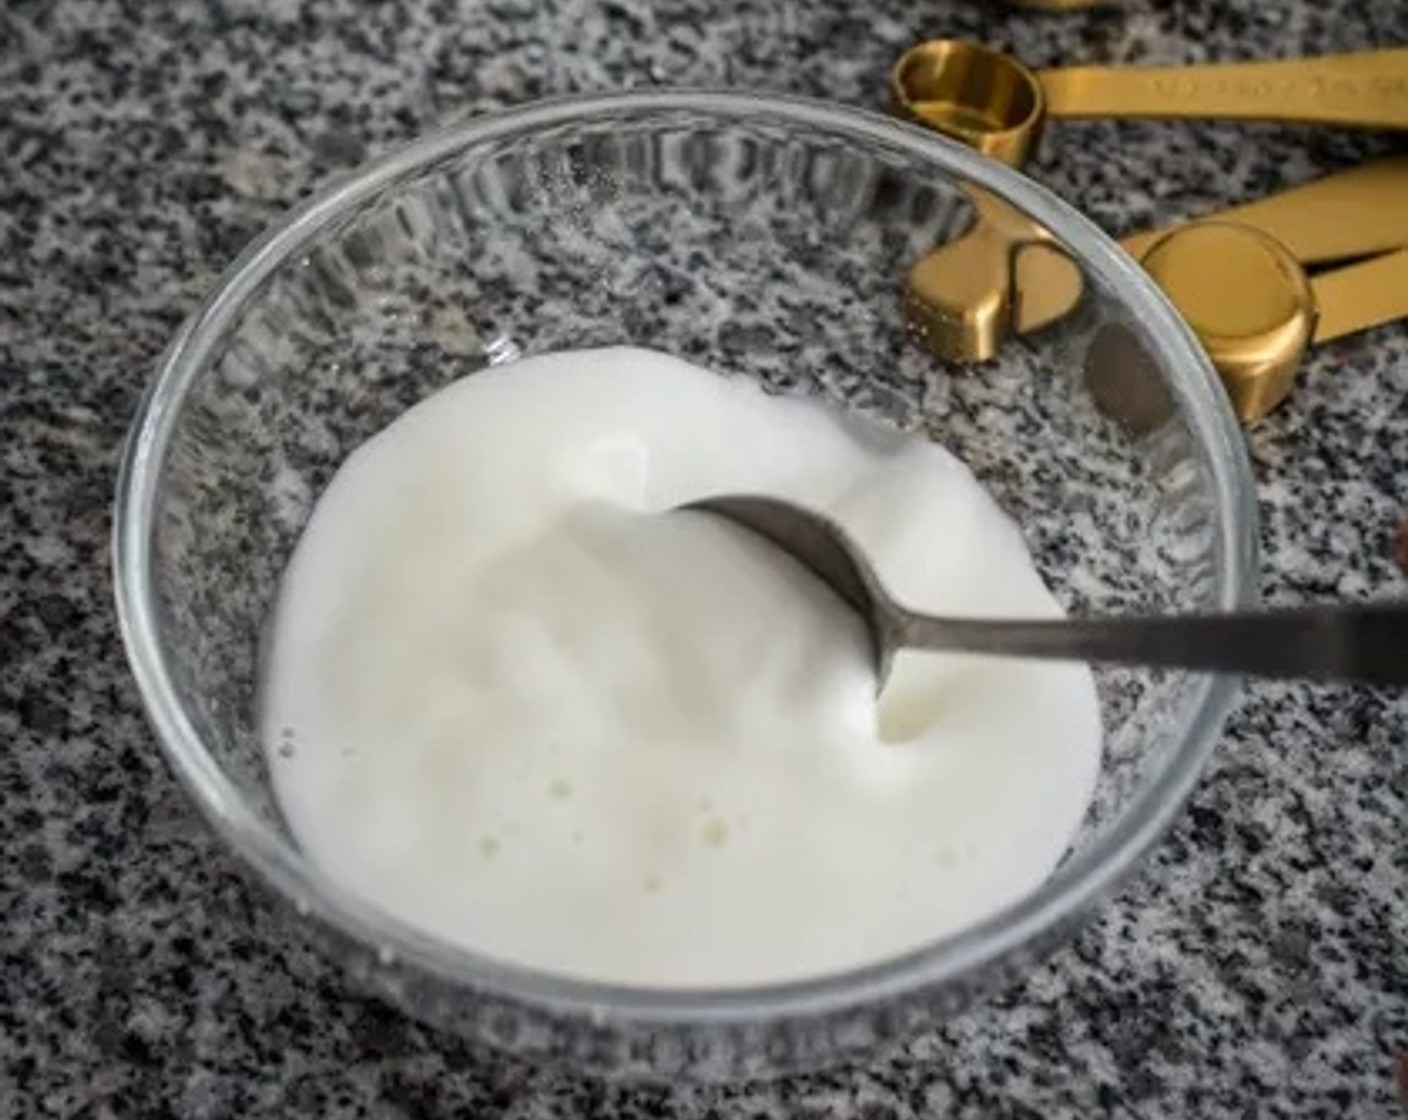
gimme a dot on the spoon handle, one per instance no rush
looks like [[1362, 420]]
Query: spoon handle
[[1366, 89], [1365, 643], [1359, 296]]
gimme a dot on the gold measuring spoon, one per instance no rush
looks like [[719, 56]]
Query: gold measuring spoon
[[1342, 216], [958, 298], [996, 104], [1006, 273], [1256, 311]]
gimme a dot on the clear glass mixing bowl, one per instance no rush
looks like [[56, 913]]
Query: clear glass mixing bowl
[[764, 237]]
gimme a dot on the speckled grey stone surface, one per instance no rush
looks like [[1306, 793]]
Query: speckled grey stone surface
[[1258, 968]]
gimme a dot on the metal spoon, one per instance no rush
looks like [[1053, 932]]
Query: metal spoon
[[1365, 643]]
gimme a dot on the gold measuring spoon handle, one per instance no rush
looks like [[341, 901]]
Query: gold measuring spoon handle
[[1366, 89], [1360, 296], [1347, 214], [958, 297]]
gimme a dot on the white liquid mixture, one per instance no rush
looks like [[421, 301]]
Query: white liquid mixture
[[512, 703]]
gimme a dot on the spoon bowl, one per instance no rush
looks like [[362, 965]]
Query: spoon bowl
[[988, 100]]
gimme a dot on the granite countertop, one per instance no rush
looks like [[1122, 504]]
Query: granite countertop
[[1258, 968]]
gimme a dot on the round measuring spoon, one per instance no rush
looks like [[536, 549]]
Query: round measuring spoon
[[1247, 299], [1256, 311], [996, 104]]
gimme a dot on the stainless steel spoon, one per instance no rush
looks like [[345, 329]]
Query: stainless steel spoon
[[1365, 643]]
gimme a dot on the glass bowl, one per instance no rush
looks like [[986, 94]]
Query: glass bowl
[[763, 237]]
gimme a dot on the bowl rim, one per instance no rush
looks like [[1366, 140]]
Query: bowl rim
[[1081, 880]]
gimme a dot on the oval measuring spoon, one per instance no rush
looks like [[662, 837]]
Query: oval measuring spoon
[[1256, 311], [959, 297], [995, 103]]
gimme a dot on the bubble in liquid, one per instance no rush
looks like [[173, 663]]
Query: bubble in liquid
[[715, 833], [288, 743]]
